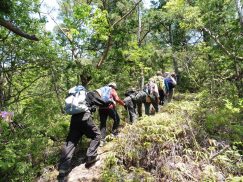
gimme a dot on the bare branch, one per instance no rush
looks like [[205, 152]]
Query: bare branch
[[108, 45], [146, 33], [105, 53], [60, 28], [127, 14], [220, 152], [8, 25]]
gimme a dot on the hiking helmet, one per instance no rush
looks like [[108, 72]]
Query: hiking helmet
[[113, 85]]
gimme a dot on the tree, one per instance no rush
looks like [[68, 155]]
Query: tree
[[6, 14]]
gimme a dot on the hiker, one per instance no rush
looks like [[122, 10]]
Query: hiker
[[81, 124], [130, 104], [152, 97], [108, 94], [159, 80], [140, 99], [170, 83]]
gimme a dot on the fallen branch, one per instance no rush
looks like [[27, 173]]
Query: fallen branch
[[220, 152]]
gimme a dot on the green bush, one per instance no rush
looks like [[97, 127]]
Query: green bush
[[170, 147]]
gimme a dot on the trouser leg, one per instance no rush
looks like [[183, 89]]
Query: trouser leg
[[92, 132], [133, 116], [155, 105], [170, 95], [66, 156], [73, 137], [103, 118], [161, 97], [147, 107], [114, 115], [130, 108], [139, 109]]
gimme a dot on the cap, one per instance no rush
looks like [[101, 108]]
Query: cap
[[151, 79], [113, 85]]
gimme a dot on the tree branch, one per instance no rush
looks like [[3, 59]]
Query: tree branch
[[108, 45], [8, 25], [60, 28], [146, 33], [105, 53], [127, 14], [215, 38]]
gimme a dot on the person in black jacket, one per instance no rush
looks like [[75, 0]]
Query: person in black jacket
[[81, 124], [130, 104], [134, 102]]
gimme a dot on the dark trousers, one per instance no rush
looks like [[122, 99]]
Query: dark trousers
[[140, 100], [104, 113], [161, 97], [155, 104], [131, 109], [139, 108], [170, 95], [78, 128]]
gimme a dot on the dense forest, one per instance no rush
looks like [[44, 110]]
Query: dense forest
[[98, 41]]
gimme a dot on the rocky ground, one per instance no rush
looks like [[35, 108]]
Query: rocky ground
[[80, 173]]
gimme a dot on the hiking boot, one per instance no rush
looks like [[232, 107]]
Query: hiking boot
[[62, 177], [114, 133], [91, 160], [102, 143]]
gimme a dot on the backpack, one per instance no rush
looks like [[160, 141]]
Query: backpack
[[171, 82], [105, 93], [159, 80], [76, 100], [150, 90], [140, 96]]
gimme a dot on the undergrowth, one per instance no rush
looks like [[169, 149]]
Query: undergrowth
[[170, 146]]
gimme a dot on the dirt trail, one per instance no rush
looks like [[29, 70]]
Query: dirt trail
[[80, 173]]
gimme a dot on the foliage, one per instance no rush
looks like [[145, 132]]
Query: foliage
[[172, 147], [224, 118], [200, 40]]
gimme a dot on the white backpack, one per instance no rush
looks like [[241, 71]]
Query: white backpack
[[76, 100]]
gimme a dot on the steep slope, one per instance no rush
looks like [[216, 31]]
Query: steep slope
[[169, 146]]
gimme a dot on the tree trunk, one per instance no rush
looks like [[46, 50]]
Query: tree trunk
[[1, 89], [139, 26], [240, 12], [175, 63], [139, 41]]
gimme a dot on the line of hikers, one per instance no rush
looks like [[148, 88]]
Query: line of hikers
[[81, 104]]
